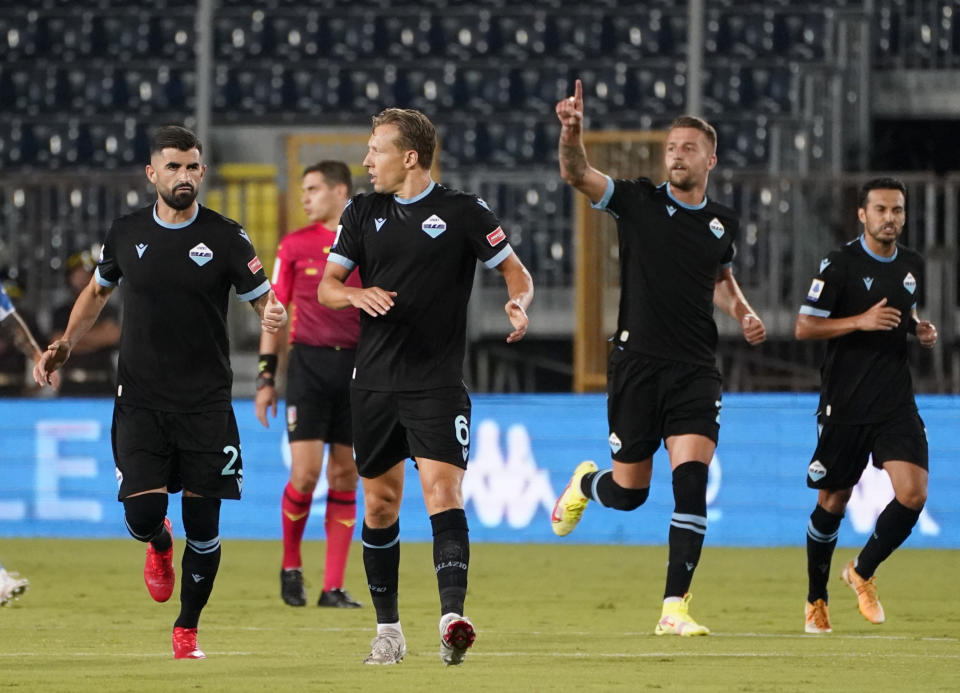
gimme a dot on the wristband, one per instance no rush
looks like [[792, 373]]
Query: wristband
[[267, 363], [264, 380]]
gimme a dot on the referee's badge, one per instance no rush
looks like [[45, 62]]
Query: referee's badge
[[434, 226], [910, 282], [716, 227], [200, 254]]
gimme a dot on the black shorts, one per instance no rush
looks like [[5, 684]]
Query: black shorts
[[318, 394], [199, 452], [650, 399], [844, 449], [391, 426]]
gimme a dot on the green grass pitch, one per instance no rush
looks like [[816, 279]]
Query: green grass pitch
[[549, 618]]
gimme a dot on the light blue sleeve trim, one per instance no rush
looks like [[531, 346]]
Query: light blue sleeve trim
[[607, 194], [342, 261], [727, 265], [101, 281], [256, 293], [499, 257], [815, 312]]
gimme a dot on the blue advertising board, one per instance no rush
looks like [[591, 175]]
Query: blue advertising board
[[57, 477]]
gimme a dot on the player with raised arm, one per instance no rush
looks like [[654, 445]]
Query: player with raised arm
[[676, 250]]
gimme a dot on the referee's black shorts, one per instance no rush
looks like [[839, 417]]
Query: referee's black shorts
[[843, 450], [651, 399], [392, 426], [318, 394], [196, 451]]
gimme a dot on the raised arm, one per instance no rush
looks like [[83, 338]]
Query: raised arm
[[84, 314], [728, 297], [520, 288], [879, 316], [574, 168]]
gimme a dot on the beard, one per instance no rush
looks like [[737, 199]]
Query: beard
[[681, 179], [180, 198]]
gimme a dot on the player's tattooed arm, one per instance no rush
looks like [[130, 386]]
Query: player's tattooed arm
[[574, 168]]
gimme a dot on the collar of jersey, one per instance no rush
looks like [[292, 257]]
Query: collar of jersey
[[175, 226], [878, 258], [684, 204], [416, 198]]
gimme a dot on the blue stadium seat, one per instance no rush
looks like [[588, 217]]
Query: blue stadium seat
[[478, 89]]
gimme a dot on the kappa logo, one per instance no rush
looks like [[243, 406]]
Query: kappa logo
[[671, 210], [141, 249], [910, 282], [816, 288], [615, 443], [824, 263], [868, 282], [200, 254], [379, 223], [816, 471], [716, 227], [434, 226], [496, 236]]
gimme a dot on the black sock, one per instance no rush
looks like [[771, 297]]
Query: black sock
[[600, 487], [144, 515], [381, 559], [687, 526], [451, 558], [893, 527], [822, 533], [201, 557]]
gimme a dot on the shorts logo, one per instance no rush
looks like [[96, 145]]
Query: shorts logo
[[434, 226], [496, 236], [466, 453], [200, 254], [910, 282], [816, 288], [716, 227], [816, 471], [615, 443], [291, 418], [868, 282], [255, 265], [824, 263]]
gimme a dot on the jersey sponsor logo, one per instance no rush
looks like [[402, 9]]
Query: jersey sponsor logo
[[615, 443], [716, 227], [311, 271], [671, 210], [200, 254], [815, 290], [868, 282], [816, 471], [379, 222], [910, 282], [496, 236], [141, 248], [824, 263], [255, 265], [434, 226]]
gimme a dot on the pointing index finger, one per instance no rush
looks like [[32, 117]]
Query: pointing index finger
[[578, 93]]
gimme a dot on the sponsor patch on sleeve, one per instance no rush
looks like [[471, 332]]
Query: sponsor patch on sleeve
[[815, 290], [496, 236], [255, 265]]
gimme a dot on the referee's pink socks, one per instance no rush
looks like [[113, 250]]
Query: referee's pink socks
[[295, 509], [339, 523]]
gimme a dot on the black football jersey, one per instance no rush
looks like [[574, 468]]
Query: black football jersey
[[865, 375], [176, 279], [671, 254], [426, 249]]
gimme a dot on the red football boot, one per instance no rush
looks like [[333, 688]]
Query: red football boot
[[158, 570], [185, 644]]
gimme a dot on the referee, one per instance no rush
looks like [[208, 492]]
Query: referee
[[416, 245], [676, 250], [173, 423], [864, 302]]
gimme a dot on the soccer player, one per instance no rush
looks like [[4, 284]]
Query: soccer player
[[676, 249], [864, 302], [323, 346], [173, 424], [416, 245]]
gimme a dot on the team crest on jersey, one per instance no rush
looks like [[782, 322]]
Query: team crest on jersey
[[815, 290], [200, 254], [824, 263], [816, 471], [496, 236], [434, 226], [716, 227], [255, 265], [910, 282]]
